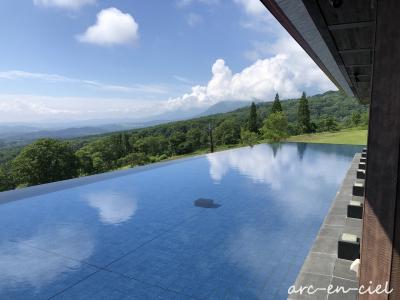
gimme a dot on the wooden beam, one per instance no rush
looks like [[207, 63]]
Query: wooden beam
[[380, 261], [351, 25]]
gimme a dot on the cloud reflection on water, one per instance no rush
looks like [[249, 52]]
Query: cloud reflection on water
[[22, 263], [280, 170], [298, 181], [113, 208]]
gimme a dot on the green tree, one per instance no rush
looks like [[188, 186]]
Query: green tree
[[126, 145], [248, 138], [276, 106], [227, 133], [275, 127], [303, 115], [253, 119], [331, 124], [3, 184], [194, 138], [327, 123], [100, 164], [43, 161], [356, 118], [365, 119], [133, 159], [178, 143], [85, 159], [152, 145], [6, 182]]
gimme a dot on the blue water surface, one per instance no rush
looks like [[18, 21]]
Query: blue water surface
[[140, 236]]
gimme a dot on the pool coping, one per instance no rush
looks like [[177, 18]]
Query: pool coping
[[322, 267]]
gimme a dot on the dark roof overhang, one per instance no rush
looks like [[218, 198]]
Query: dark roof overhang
[[337, 34]]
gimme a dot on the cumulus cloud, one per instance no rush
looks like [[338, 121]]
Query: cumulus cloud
[[65, 4], [112, 27], [278, 66], [287, 73], [288, 70]]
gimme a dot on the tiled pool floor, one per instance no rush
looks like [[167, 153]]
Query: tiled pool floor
[[141, 236]]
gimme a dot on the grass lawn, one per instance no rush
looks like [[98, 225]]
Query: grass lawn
[[351, 137]]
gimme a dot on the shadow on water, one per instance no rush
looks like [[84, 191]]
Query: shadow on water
[[206, 203]]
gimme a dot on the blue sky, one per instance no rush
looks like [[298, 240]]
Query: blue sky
[[95, 59]]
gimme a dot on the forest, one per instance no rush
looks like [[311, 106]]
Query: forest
[[49, 160]]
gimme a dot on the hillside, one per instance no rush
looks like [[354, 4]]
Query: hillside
[[329, 112], [224, 107], [330, 103], [20, 135]]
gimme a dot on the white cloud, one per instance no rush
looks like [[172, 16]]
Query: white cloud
[[287, 73], [278, 66], [112, 27], [194, 19], [16, 74], [36, 108], [258, 18], [183, 79], [65, 4], [143, 88], [252, 7]]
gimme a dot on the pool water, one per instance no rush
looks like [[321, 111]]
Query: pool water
[[144, 236]]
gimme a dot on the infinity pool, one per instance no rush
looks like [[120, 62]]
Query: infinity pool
[[141, 236]]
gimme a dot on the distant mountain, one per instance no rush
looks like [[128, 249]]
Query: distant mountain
[[224, 107], [180, 114], [8, 130], [327, 104], [218, 108], [19, 135]]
